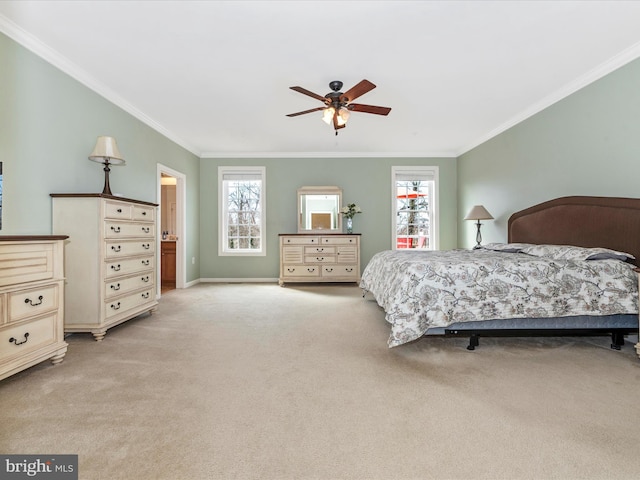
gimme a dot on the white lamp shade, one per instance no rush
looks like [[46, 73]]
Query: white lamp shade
[[343, 116], [327, 115], [478, 212], [106, 149]]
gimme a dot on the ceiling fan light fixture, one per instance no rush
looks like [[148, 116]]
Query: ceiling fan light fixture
[[343, 116], [338, 106], [327, 115]]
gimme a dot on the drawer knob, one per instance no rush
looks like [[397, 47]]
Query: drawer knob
[[30, 302], [349, 270], [115, 229], [115, 306], [328, 270], [144, 213], [291, 270], [145, 295], [115, 287], [116, 248], [310, 270], [146, 246], [319, 259], [145, 263], [119, 210], [115, 268], [13, 340], [145, 279], [145, 229]]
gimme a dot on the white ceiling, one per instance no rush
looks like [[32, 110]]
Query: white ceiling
[[214, 76]]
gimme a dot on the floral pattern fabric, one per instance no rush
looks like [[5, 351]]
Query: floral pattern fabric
[[420, 290]]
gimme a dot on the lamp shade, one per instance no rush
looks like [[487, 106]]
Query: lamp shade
[[478, 212], [106, 149]]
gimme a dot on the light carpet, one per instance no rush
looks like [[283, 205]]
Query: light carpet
[[242, 381]]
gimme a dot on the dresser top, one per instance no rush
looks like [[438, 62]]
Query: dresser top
[[322, 233], [30, 238], [102, 195]]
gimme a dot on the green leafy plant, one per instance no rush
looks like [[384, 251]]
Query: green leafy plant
[[350, 210]]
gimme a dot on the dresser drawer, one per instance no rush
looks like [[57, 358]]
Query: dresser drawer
[[123, 230], [25, 263], [339, 240], [301, 240], [128, 284], [319, 249], [114, 249], [301, 271], [32, 302], [117, 210], [21, 338], [320, 259], [117, 268], [121, 305], [340, 271], [144, 213]]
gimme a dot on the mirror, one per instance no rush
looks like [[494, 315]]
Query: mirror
[[319, 209]]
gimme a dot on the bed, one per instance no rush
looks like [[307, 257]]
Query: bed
[[568, 268]]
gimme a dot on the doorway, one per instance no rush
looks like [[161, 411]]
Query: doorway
[[171, 226]]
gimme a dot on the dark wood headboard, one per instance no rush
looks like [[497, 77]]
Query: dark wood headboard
[[609, 222]]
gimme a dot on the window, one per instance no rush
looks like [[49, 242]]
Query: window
[[414, 194], [241, 211]]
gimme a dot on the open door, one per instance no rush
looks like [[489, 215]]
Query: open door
[[171, 225]]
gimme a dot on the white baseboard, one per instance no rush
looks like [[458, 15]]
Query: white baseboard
[[238, 280]]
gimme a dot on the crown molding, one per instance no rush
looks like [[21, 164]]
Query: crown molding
[[314, 155], [35, 45], [617, 61]]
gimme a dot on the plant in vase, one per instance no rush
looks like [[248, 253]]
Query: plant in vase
[[349, 212]]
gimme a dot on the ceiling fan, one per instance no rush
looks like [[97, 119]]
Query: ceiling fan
[[337, 105]]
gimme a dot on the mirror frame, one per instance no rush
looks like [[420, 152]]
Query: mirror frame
[[330, 190]]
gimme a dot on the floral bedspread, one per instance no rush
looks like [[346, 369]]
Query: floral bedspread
[[423, 289]]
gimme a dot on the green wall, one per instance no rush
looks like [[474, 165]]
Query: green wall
[[364, 181], [585, 144], [49, 123]]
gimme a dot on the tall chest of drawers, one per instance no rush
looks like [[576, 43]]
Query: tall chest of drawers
[[111, 262], [319, 258], [31, 301]]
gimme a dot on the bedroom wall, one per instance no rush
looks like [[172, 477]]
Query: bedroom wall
[[585, 144], [364, 181], [49, 123]]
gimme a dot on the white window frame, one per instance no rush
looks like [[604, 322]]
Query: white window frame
[[421, 172], [223, 208]]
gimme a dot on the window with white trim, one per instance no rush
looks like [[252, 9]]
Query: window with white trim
[[241, 210], [414, 194]]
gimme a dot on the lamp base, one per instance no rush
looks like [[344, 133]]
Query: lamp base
[[478, 237], [107, 188]]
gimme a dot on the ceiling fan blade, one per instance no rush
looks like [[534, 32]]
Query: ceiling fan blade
[[306, 111], [354, 92], [358, 107], [307, 92]]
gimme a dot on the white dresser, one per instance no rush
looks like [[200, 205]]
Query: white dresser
[[31, 301], [110, 259], [319, 258]]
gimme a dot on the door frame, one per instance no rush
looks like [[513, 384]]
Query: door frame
[[181, 231]]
